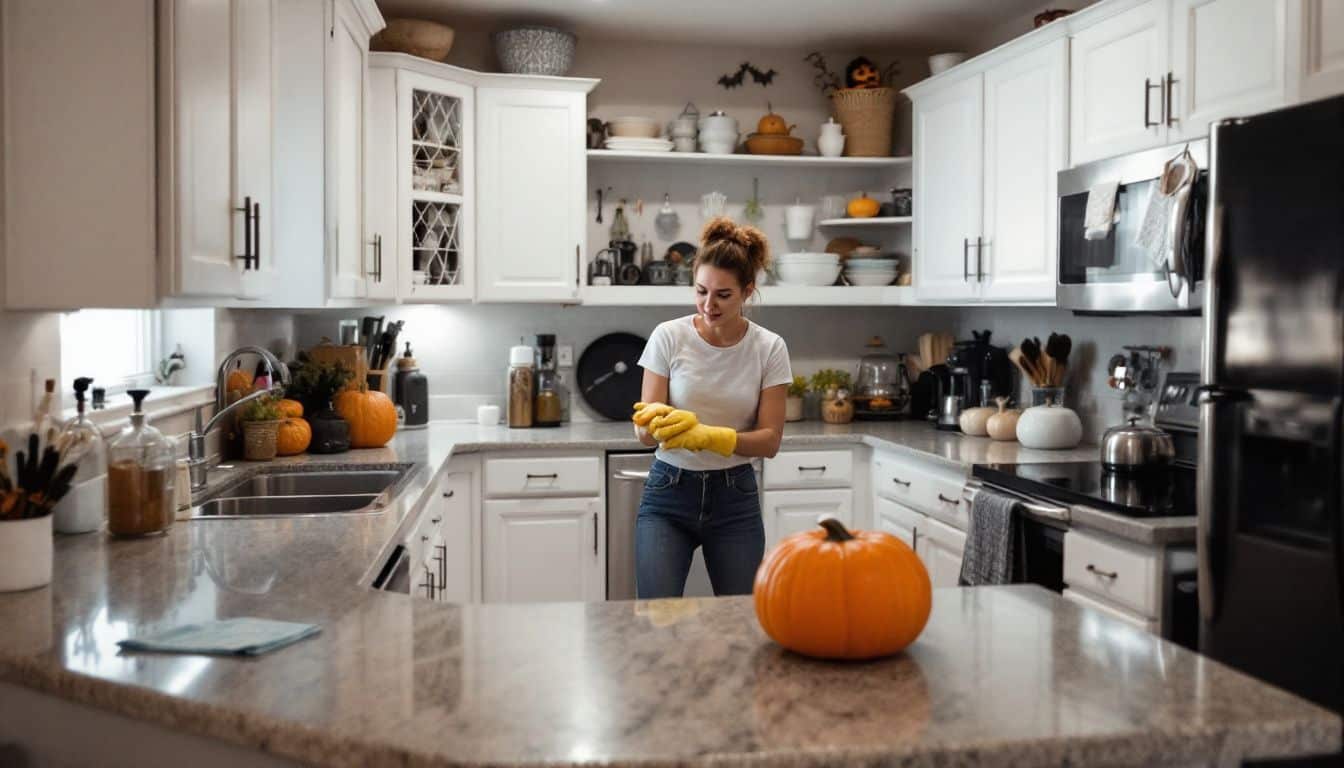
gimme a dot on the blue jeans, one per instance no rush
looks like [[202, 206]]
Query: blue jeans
[[680, 510]]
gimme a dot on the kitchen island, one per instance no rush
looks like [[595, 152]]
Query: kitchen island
[[1001, 676]]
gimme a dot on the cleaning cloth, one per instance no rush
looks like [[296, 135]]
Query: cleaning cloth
[[239, 637], [1100, 214]]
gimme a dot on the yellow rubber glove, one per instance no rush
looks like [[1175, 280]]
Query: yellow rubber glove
[[720, 440], [645, 412], [671, 424]]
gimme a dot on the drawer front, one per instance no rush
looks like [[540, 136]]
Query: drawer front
[[810, 469], [1117, 573], [1115, 612], [543, 476], [929, 487]]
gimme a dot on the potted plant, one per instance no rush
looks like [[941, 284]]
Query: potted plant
[[824, 385], [315, 385], [793, 404], [27, 498], [261, 427]]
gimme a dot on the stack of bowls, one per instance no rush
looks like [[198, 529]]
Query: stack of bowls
[[871, 271], [807, 268], [632, 128], [683, 132], [718, 134]]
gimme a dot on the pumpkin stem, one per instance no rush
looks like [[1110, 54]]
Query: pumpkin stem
[[835, 530]]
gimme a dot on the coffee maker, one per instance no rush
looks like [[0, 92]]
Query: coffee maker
[[985, 370]]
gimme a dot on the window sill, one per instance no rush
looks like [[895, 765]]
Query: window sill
[[160, 403]]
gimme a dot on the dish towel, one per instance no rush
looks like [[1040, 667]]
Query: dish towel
[[1100, 214], [1156, 236], [236, 637], [988, 558]]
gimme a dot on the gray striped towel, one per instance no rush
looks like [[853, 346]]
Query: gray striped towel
[[988, 558]]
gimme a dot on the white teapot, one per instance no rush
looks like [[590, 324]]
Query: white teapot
[[1050, 427]]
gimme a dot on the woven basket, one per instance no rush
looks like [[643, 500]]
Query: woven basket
[[866, 114], [259, 438]]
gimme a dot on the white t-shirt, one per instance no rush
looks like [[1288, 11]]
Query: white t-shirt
[[720, 385]]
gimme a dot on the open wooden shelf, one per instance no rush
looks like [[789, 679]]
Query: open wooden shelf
[[873, 221], [770, 295], [701, 158]]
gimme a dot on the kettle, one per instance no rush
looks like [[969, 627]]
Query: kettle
[[1134, 447]]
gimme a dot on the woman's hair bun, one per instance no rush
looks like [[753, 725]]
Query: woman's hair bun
[[743, 249], [720, 228]]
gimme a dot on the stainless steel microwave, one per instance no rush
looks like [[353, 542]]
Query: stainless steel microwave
[[1116, 275]]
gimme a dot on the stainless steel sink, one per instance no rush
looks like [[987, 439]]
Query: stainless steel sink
[[312, 484], [291, 492]]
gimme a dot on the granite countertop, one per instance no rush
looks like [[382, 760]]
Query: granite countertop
[[1004, 675]]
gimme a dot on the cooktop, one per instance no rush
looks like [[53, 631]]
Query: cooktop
[[1168, 492]]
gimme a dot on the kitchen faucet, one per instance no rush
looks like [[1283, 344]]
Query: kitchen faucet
[[278, 373]]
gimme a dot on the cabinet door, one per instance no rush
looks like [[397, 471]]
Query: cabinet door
[[254, 88], [1227, 59], [457, 575], [532, 185], [1025, 126], [347, 63], [901, 522], [790, 512], [207, 243], [435, 188], [380, 184], [1316, 34], [542, 550], [1116, 72], [944, 546], [948, 178]]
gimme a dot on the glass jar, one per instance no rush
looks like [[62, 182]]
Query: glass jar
[[546, 409], [521, 386], [1047, 396], [84, 507], [140, 477]]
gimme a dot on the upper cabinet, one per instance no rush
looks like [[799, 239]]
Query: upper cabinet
[[1118, 83], [532, 167], [1316, 46], [949, 171]]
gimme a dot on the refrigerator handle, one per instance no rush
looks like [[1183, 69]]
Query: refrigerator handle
[[1213, 470]]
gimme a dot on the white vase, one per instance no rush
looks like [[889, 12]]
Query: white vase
[[793, 408], [831, 145], [1050, 427], [25, 553], [798, 221]]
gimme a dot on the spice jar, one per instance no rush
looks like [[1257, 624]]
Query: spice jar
[[521, 386], [547, 408], [140, 477]]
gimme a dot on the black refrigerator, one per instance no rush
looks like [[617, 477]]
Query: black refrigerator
[[1271, 571]]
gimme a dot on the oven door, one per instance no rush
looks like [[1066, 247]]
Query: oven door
[[1115, 275]]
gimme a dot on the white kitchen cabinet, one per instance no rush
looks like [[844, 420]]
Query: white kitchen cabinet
[[948, 177], [531, 192], [215, 197], [1117, 70], [942, 547], [350, 255], [1025, 148], [79, 154], [900, 521], [1316, 45], [450, 557], [1228, 58], [540, 550], [380, 186], [790, 512]]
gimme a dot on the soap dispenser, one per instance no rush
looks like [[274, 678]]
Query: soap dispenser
[[410, 389], [81, 443], [140, 477]]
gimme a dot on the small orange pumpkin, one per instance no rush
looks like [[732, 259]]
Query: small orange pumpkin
[[294, 436], [292, 409], [833, 594], [772, 124], [371, 414], [863, 207], [238, 381]]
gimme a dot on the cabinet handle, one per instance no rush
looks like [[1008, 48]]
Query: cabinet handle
[[378, 258], [429, 582], [979, 260], [1104, 574], [247, 233], [945, 500], [899, 481], [1147, 88], [914, 538], [442, 557], [423, 539], [256, 236], [1167, 83], [594, 534], [436, 520], [548, 476], [965, 259], [448, 494], [822, 468]]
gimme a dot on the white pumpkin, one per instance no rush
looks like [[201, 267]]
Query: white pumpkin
[[1050, 427]]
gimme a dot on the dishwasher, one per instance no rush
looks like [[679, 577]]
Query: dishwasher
[[626, 473]]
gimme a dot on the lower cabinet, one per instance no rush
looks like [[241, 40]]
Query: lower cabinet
[[442, 545], [789, 512], [938, 545], [544, 550]]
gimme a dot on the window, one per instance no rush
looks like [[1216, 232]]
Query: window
[[114, 346]]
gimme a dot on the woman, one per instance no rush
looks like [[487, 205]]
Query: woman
[[713, 397]]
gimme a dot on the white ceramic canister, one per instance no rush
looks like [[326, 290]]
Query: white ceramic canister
[[1050, 427], [798, 221], [831, 142], [25, 553]]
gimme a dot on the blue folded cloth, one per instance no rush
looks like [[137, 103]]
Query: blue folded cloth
[[240, 637]]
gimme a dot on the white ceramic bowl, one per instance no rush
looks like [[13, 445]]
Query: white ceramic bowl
[[941, 62], [869, 278], [684, 144], [874, 265], [632, 127], [802, 257], [718, 146], [807, 274]]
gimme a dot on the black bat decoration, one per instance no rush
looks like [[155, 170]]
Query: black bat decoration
[[763, 77]]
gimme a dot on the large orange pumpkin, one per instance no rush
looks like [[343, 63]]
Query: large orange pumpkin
[[294, 436], [371, 414], [291, 409], [833, 594]]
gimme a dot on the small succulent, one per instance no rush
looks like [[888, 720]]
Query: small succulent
[[262, 409], [829, 378]]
